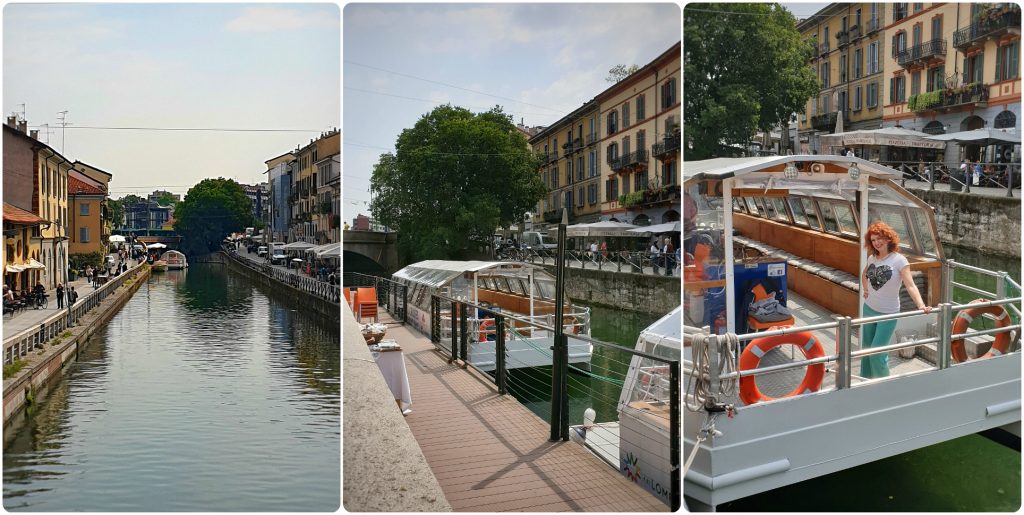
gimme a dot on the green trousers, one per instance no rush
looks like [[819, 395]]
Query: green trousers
[[875, 335]]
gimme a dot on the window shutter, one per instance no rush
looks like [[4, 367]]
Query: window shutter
[[892, 91], [999, 62]]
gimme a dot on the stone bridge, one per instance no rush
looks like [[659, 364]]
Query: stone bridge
[[369, 252]]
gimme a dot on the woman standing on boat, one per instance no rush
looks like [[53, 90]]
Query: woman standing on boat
[[880, 284]]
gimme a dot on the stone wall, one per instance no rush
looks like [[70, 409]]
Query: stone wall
[[990, 225], [649, 294]]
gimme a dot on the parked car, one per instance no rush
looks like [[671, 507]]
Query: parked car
[[279, 259], [261, 251]]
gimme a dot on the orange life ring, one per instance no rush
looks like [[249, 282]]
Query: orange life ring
[[569, 320], [487, 322], [756, 349], [963, 321]]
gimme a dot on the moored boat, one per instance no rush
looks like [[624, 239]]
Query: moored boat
[[784, 232], [175, 260], [159, 266]]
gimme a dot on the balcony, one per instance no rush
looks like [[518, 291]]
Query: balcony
[[666, 147], [990, 24], [823, 48], [974, 95], [920, 54], [656, 196], [824, 122], [842, 39], [874, 25], [629, 161], [555, 216], [592, 139]]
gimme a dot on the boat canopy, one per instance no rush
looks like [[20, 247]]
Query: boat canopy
[[646, 388], [458, 279], [436, 273], [726, 167]]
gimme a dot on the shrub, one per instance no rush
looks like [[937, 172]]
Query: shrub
[[13, 368]]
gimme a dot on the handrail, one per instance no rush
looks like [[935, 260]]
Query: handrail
[[325, 291]]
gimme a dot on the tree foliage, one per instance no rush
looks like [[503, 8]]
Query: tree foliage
[[455, 177], [211, 210], [166, 199], [619, 72], [746, 69]]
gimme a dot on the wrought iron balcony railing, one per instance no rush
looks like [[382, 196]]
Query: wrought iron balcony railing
[[922, 52], [666, 146], [874, 25], [824, 122], [995, 24]]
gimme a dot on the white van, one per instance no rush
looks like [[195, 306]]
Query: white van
[[539, 241]]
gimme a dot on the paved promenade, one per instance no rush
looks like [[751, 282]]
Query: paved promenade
[[975, 190], [25, 318]]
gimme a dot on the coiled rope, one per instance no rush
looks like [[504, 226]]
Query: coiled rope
[[699, 382]]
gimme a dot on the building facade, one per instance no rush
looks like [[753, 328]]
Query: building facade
[[327, 183], [101, 180], [146, 215], [848, 49], [21, 241], [259, 200], [640, 140], [87, 215], [571, 168], [279, 179]]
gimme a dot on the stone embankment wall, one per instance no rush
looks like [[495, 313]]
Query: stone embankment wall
[[305, 299], [32, 382], [990, 225], [650, 294]]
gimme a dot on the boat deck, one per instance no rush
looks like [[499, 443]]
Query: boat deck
[[808, 313], [491, 453]]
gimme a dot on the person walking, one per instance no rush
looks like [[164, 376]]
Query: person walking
[[604, 251], [88, 274], [72, 296], [655, 252], [60, 296], [668, 251], [886, 270]]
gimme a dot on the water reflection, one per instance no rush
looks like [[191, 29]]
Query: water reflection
[[182, 404]]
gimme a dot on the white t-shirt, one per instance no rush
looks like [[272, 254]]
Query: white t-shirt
[[884, 282]]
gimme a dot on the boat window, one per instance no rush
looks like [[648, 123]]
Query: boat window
[[738, 205], [924, 232], [895, 218], [798, 210], [812, 214], [828, 216], [769, 208], [761, 206], [545, 287], [780, 209], [517, 286], [751, 207], [847, 223]]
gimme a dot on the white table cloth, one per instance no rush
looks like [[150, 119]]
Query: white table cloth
[[392, 367]]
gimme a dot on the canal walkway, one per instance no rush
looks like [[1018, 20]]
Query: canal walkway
[[490, 453], [975, 190]]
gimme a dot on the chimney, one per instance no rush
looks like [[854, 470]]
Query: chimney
[[23, 126], [12, 122], [34, 134]]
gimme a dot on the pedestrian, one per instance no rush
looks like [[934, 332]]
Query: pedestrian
[[604, 251], [88, 274], [72, 296], [668, 251], [978, 170], [886, 270], [593, 251], [60, 296], [655, 252]]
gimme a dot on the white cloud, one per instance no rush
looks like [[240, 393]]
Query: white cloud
[[266, 19]]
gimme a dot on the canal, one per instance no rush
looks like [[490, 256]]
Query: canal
[[204, 393]]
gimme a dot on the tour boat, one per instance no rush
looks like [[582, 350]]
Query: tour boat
[[159, 266], [175, 260], [788, 403], [514, 288]]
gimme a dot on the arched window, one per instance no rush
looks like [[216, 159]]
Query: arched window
[[1005, 120], [972, 122], [642, 220], [934, 127], [670, 216]]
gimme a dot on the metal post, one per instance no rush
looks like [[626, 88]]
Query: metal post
[[465, 334], [675, 434], [948, 270], [931, 178], [405, 301], [844, 347], [558, 369], [499, 354], [455, 334], [1001, 285], [1009, 181], [945, 331]]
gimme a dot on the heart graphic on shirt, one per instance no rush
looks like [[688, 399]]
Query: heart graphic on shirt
[[879, 275]]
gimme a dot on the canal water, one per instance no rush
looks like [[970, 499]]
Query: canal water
[[204, 393]]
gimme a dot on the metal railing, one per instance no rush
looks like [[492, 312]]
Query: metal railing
[[636, 262], [999, 175], [924, 50], [994, 26], [310, 285], [21, 344], [454, 333], [391, 295]]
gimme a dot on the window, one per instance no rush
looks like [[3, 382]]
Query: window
[[812, 215], [899, 11], [613, 122], [844, 216], [640, 108], [858, 58], [668, 93], [592, 193], [625, 146], [83, 209], [856, 99], [641, 136], [568, 171], [829, 217], [593, 125], [554, 177], [873, 57], [897, 89], [899, 43], [613, 152], [936, 78], [611, 191], [937, 27], [625, 115], [669, 173], [872, 95], [625, 186], [592, 170], [917, 34], [826, 103], [579, 197], [973, 68], [83, 234], [779, 206], [825, 75], [579, 168], [915, 83], [1008, 61], [857, 18], [640, 181], [842, 68], [918, 6]]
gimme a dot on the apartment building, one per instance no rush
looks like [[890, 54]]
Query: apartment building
[[279, 172], [954, 67], [847, 42], [87, 215], [99, 179], [640, 140], [327, 184], [571, 168]]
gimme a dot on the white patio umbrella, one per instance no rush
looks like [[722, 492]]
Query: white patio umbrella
[[157, 246], [983, 137], [298, 245], [600, 229], [117, 238], [657, 229]]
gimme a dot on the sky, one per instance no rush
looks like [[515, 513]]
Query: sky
[[236, 66], [539, 61]]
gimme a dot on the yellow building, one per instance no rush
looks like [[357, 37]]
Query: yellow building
[[847, 42], [100, 179], [21, 248], [571, 168], [639, 130], [953, 67], [88, 202], [327, 184]]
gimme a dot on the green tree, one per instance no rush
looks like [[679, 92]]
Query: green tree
[[455, 177], [746, 68], [166, 199], [619, 72], [210, 211]]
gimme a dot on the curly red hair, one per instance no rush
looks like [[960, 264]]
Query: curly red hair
[[883, 230]]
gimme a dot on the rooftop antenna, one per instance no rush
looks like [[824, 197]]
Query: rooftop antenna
[[63, 125], [23, 117], [47, 131]]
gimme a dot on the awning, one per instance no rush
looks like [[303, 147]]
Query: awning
[[298, 245], [657, 229], [328, 251], [33, 264], [117, 238], [13, 269], [983, 136], [600, 229], [888, 136], [157, 246]]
